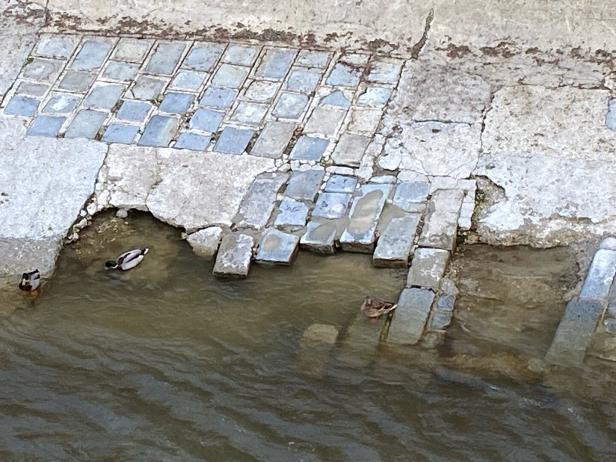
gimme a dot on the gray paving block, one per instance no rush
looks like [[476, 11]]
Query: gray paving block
[[350, 149], [233, 140], [206, 120], [292, 214], [104, 96], [230, 76], [192, 141], [159, 131], [309, 148], [86, 124], [42, 70], [243, 55], [61, 103], [273, 139], [410, 317], [176, 103], [122, 72], [46, 126], [331, 205], [384, 72], [319, 237], [188, 80], [427, 268], [32, 89], [313, 58], [56, 46], [20, 105], [344, 75], [325, 121], [276, 63], [148, 88], [77, 81], [441, 221], [249, 113], [234, 256], [133, 50], [136, 111], [277, 247], [258, 202], [262, 91], [120, 133], [374, 97], [165, 58], [218, 98], [341, 184], [290, 105], [302, 80], [395, 244], [411, 195], [337, 99], [304, 185], [600, 277], [203, 56], [92, 54]]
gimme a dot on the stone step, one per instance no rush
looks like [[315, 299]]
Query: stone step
[[360, 341], [427, 268], [234, 256], [258, 203], [320, 237], [410, 317], [395, 244], [441, 222], [277, 247]]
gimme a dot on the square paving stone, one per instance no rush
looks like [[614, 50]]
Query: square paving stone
[[303, 80], [344, 75], [304, 185], [123, 72], [92, 54], [249, 113], [441, 221], [135, 111], [176, 103], [192, 141], [243, 55], [218, 98], [233, 140], [46, 126], [319, 237], [384, 72], [396, 242], [273, 139], [290, 105], [325, 121], [206, 120], [159, 131], [292, 214], [24, 106], [165, 58], [203, 56], [312, 58], [309, 148], [350, 149], [61, 103], [364, 120], [234, 256], [277, 247], [148, 88], [86, 124], [32, 89], [276, 63], [341, 184], [427, 268], [104, 96], [42, 70], [336, 98], [188, 80], [132, 49], [56, 46], [411, 194], [262, 91], [120, 133], [77, 81], [331, 205], [374, 97], [230, 76]]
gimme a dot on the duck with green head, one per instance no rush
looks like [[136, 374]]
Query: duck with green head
[[128, 260]]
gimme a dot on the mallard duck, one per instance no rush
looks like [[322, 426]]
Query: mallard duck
[[128, 260], [374, 308], [31, 282]]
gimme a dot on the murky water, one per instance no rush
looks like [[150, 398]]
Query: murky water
[[167, 363]]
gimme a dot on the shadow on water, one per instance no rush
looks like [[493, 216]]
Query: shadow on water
[[167, 363]]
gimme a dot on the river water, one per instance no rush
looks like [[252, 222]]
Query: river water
[[167, 363]]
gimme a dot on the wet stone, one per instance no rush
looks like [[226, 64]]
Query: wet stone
[[233, 140], [611, 115], [218, 98], [441, 222], [384, 72], [315, 347], [206, 120], [249, 113], [410, 196], [344, 75], [277, 247], [290, 105], [148, 88], [350, 149], [276, 63], [360, 342], [205, 242], [104, 96], [319, 237], [410, 317], [192, 141], [132, 50], [234, 256], [374, 97], [331, 205], [56, 46], [341, 184], [304, 185], [120, 133], [46, 126], [261, 91], [396, 242], [440, 320], [61, 103], [165, 58], [75, 81], [176, 103], [86, 124], [22, 106], [203, 56], [292, 214], [336, 98], [230, 76], [258, 203], [309, 148], [312, 58], [159, 131], [273, 140], [325, 121], [92, 54], [241, 55], [42, 70], [600, 277], [427, 268], [302, 80], [136, 111], [123, 72], [188, 80]]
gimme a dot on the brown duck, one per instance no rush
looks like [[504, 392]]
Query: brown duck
[[374, 308]]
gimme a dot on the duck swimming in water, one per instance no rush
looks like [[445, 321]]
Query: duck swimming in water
[[374, 308], [128, 260], [31, 282]]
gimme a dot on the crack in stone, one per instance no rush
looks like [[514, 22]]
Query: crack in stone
[[419, 46]]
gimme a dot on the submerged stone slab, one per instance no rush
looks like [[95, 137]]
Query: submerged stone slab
[[258, 203], [441, 222], [234, 256], [427, 268], [396, 242], [600, 277], [319, 237], [315, 346], [360, 341], [410, 317], [205, 242], [360, 234], [304, 185], [277, 247]]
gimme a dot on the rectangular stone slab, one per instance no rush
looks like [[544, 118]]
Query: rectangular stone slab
[[277, 247], [319, 237], [396, 243], [600, 277], [234, 256], [360, 341], [427, 268], [441, 222], [350, 149], [410, 317], [304, 185], [258, 203], [273, 139]]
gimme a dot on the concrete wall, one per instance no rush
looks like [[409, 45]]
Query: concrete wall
[[389, 25]]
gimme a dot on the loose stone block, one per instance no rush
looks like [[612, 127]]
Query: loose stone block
[[336, 98], [234, 256], [427, 268], [331, 205], [78, 82], [574, 333], [304, 185], [315, 347], [86, 124], [396, 242], [206, 120], [290, 105], [411, 196], [384, 72], [23, 106], [230, 76], [261, 91], [122, 72], [319, 237], [120, 133], [148, 88], [350, 149], [600, 277], [258, 203], [344, 75], [441, 222], [292, 214], [135, 111], [218, 98], [176, 103], [205, 242], [360, 234], [277, 247], [61, 103], [92, 54], [276, 63], [192, 141], [42, 70], [233, 140], [242, 55], [203, 56], [165, 58], [132, 49], [309, 148], [46, 126], [303, 80], [104, 96], [159, 131], [56, 46], [311, 58], [249, 113], [273, 140], [325, 121], [341, 184], [188, 80], [374, 97], [410, 317]]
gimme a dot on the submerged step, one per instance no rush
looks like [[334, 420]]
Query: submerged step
[[234, 256], [410, 317]]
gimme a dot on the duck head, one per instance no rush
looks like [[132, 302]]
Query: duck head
[[110, 264]]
